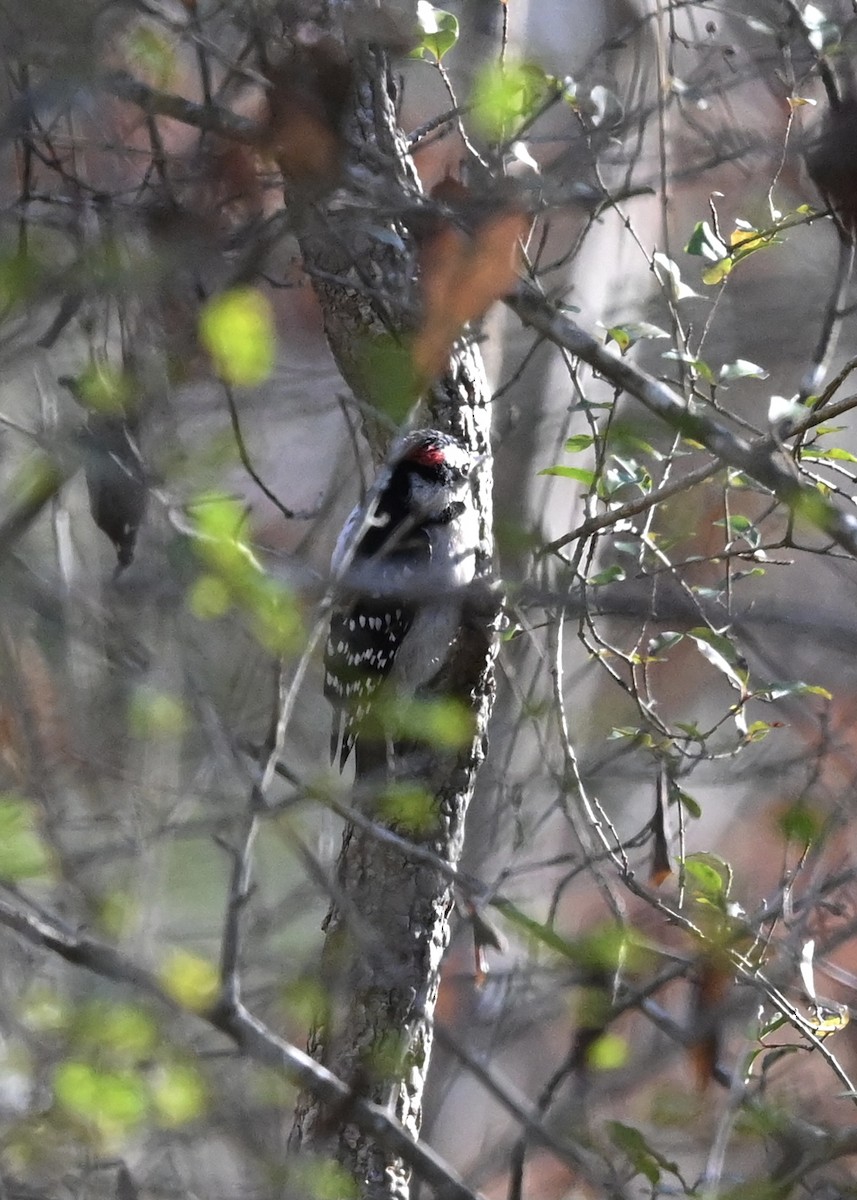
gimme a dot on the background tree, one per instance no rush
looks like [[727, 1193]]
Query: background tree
[[243, 247]]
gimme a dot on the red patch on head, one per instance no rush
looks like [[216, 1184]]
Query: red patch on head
[[426, 456]]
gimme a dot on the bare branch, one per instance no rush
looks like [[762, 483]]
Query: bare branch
[[762, 459], [210, 118], [249, 1034]]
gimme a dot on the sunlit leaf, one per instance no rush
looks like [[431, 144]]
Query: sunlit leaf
[[717, 273], [153, 714], [209, 597], [191, 980], [779, 691], [580, 441], [612, 574], [757, 731], [608, 1052], [629, 333], [705, 242], [722, 655], [23, 852], [741, 369], [835, 454], [122, 1029], [438, 31], [178, 1094], [237, 329], [151, 52], [709, 876], [410, 806], [669, 275], [270, 606], [504, 95], [581, 474], [114, 1102]]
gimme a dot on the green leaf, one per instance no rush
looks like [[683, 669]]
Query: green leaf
[[534, 929], [642, 1157], [322, 1179], [835, 453], [389, 375], [237, 330], [800, 823], [686, 801], [153, 714], [102, 388], [608, 1052], [410, 806], [209, 597], [152, 53], [445, 723], [125, 1031], [718, 273], [178, 1094], [630, 332], [779, 691], [23, 853], [698, 365], [722, 655], [113, 1101], [438, 30], [579, 473], [705, 242], [757, 731], [505, 95], [580, 441], [709, 876], [741, 526], [191, 980], [614, 574], [271, 607]]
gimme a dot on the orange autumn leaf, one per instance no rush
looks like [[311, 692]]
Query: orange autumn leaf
[[462, 277], [711, 991]]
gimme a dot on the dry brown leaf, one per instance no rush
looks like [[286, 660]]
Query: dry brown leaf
[[462, 277], [711, 988], [32, 727], [305, 106]]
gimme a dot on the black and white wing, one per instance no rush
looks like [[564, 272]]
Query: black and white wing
[[360, 652]]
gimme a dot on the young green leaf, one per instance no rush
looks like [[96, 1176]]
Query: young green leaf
[[722, 655], [438, 31], [705, 242], [237, 330], [579, 473]]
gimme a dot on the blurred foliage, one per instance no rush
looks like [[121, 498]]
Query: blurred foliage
[[663, 826]]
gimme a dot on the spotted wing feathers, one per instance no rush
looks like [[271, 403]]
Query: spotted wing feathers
[[360, 651]]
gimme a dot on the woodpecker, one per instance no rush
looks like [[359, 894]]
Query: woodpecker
[[402, 560]]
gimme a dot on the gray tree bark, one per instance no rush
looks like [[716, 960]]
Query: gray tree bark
[[388, 928]]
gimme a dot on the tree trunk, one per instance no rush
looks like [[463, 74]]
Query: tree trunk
[[389, 925]]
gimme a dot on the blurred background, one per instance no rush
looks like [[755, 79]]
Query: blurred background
[[678, 680]]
